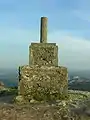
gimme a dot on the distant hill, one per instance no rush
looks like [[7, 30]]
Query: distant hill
[[81, 73], [79, 83]]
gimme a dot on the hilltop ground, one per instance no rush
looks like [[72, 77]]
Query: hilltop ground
[[77, 107]]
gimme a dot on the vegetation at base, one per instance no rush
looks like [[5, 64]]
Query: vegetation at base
[[9, 91], [80, 86], [42, 96]]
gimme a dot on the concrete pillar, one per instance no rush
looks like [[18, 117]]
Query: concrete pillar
[[43, 30]]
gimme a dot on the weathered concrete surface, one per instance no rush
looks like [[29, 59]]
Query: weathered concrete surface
[[43, 83], [43, 54], [43, 30]]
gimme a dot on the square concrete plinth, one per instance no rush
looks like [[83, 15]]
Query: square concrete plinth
[[43, 83], [43, 54]]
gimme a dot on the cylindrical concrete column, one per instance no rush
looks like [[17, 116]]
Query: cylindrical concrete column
[[43, 30]]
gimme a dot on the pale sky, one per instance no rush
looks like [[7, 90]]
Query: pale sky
[[68, 26]]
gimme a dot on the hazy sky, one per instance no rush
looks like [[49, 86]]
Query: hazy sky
[[68, 26]]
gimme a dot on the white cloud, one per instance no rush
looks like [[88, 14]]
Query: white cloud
[[74, 52]]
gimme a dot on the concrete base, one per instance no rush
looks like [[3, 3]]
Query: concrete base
[[43, 83]]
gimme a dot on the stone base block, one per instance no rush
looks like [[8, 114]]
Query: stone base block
[[43, 54], [43, 83]]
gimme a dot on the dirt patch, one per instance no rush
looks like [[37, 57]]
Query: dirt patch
[[30, 112]]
